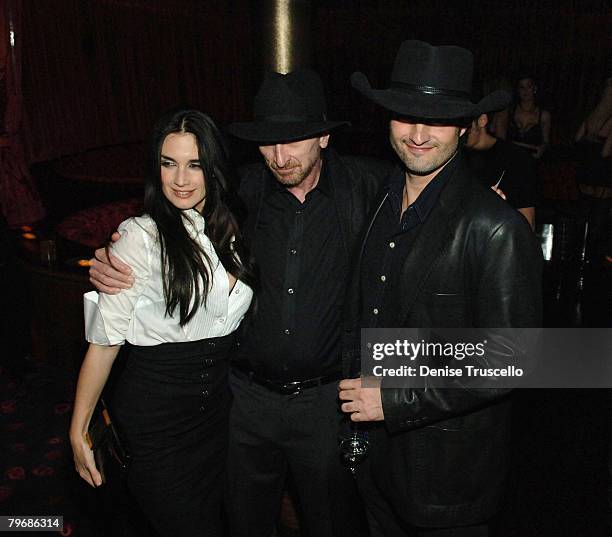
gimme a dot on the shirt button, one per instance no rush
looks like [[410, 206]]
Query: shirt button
[[375, 311], [391, 245], [290, 290], [298, 211], [383, 278], [293, 251], [237, 291], [221, 320], [287, 331]]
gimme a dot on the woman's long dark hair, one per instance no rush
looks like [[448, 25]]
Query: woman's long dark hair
[[186, 271]]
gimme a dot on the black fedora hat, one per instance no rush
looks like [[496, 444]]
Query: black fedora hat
[[431, 82], [287, 108]]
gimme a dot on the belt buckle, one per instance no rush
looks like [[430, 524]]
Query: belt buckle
[[291, 388]]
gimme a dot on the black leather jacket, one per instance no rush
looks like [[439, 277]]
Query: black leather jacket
[[440, 458]]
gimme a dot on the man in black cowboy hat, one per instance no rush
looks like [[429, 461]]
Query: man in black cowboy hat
[[441, 250], [306, 205]]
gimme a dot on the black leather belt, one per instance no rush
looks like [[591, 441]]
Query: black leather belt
[[285, 388]]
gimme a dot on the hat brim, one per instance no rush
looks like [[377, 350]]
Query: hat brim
[[272, 132], [424, 105]]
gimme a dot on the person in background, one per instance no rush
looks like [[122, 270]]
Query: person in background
[[597, 126], [529, 124], [503, 166], [498, 119], [193, 280], [594, 175]]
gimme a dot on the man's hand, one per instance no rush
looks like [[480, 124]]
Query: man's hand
[[364, 404], [498, 191], [108, 274]]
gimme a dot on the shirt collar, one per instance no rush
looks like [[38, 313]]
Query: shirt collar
[[194, 221], [430, 194]]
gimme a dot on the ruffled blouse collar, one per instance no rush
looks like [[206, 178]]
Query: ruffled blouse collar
[[194, 222]]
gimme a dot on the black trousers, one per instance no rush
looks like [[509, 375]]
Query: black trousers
[[272, 434]]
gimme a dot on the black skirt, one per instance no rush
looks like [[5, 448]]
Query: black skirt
[[171, 406]]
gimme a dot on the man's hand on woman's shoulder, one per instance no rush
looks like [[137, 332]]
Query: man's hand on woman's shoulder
[[108, 274]]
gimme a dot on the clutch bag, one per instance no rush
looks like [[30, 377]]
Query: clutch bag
[[110, 454]]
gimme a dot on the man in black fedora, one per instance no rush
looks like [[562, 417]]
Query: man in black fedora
[[441, 250], [305, 205]]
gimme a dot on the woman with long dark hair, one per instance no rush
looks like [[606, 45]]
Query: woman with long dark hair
[[529, 124], [193, 285]]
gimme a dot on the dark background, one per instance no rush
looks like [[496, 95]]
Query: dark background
[[97, 72]]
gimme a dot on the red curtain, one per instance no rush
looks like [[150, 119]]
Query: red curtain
[[19, 200], [98, 73]]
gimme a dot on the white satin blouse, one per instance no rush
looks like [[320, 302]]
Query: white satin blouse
[[138, 314]]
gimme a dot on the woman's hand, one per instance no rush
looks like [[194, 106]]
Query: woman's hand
[[84, 460]]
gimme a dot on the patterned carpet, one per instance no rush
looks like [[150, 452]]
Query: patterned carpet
[[36, 472], [38, 476]]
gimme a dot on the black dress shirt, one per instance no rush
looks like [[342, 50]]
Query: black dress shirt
[[294, 331], [389, 243]]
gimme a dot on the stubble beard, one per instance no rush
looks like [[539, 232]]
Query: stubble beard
[[425, 164], [298, 174]]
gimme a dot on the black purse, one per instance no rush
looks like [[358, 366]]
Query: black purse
[[110, 454]]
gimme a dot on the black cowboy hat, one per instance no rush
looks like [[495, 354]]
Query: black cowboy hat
[[433, 83], [287, 108]]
